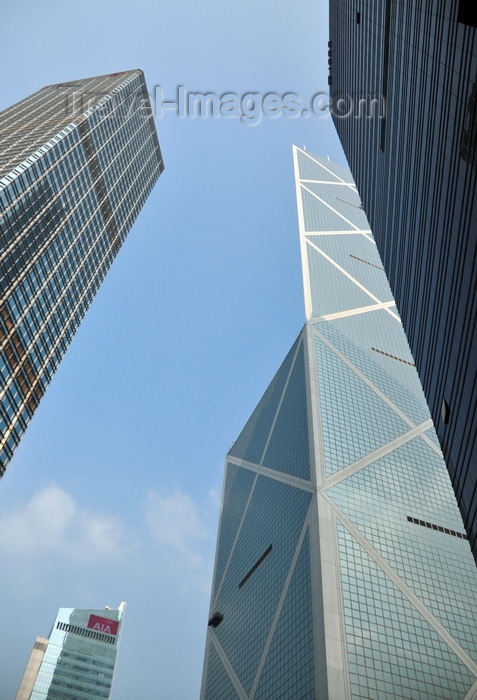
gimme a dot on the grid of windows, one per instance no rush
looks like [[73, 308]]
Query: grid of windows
[[357, 255], [329, 221], [289, 669], [378, 499], [354, 337], [393, 652], [252, 440], [276, 513], [350, 412], [416, 172], [331, 291], [288, 449], [238, 486], [219, 686], [64, 212], [79, 662]]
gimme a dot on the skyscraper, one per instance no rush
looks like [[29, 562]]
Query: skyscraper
[[342, 568], [415, 169], [78, 659], [77, 162]]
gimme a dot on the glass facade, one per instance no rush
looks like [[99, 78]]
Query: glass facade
[[415, 168], [77, 163], [79, 656], [343, 570]]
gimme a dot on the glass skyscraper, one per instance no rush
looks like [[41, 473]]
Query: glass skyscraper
[[77, 661], [342, 568], [415, 166], [77, 162]]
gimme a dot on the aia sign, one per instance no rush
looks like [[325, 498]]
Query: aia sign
[[102, 624]]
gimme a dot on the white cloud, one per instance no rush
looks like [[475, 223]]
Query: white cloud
[[177, 525], [52, 523], [215, 499], [174, 520]]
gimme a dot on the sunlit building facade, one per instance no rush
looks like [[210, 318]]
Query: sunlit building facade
[[77, 162], [77, 661], [415, 167], [342, 569]]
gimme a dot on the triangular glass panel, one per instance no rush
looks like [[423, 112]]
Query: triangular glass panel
[[253, 438], [387, 638], [344, 200], [359, 257], [379, 503], [218, 684], [356, 421], [238, 484], [315, 168], [288, 450], [257, 572], [375, 343], [318, 217], [331, 290]]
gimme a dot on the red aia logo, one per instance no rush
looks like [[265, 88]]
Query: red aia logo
[[102, 624]]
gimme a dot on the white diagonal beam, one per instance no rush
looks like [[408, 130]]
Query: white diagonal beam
[[415, 601], [374, 456], [356, 228], [365, 379], [355, 311], [274, 474], [351, 185], [343, 272], [471, 693], [228, 667]]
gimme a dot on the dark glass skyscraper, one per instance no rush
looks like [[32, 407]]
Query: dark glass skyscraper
[[78, 659], [342, 569], [415, 167], [77, 162]]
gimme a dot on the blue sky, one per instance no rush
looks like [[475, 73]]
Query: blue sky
[[115, 489]]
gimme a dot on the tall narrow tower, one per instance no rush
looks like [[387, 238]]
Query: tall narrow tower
[[77, 162], [342, 568], [78, 659]]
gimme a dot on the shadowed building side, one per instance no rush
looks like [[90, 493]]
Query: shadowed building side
[[415, 169]]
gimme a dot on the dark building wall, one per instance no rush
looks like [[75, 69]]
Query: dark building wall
[[415, 166]]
